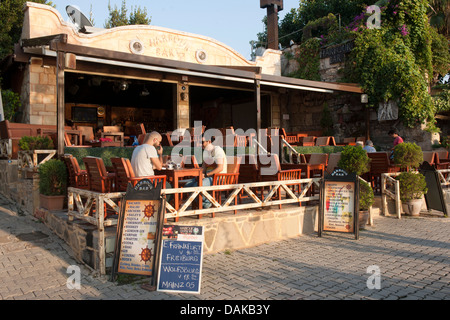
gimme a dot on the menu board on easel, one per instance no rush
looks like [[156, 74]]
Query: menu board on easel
[[181, 259], [137, 229], [339, 203]]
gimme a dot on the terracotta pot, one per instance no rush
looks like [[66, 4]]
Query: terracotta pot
[[52, 202], [363, 219], [412, 207]]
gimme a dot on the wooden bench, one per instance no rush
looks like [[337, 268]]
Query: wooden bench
[[11, 133]]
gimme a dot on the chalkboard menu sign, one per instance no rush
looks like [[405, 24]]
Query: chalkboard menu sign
[[339, 203], [137, 229], [181, 259]]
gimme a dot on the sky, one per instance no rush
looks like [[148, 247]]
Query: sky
[[232, 22]]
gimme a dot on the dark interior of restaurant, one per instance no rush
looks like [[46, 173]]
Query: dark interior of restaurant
[[126, 102]]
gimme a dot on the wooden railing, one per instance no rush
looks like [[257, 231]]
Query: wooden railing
[[80, 203], [390, 188]]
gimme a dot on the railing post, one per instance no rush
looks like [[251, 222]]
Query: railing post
[[383, 194], [397, 199]]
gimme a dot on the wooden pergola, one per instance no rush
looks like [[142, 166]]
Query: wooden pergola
[[78, 58]]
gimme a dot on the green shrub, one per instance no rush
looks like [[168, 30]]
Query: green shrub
[[366, 196], [412, 185], [408, 154], [354, 160], [52, 178], [35, 143]]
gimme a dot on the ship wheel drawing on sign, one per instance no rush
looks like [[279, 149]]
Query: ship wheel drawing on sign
[[146, 254], [149, 211]]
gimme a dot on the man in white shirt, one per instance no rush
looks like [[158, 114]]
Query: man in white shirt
[[148, 155], [214, 161]]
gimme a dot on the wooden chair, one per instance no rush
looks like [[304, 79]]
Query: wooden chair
[[322, 141], [221, 179], [87, 133], [292, 139], [308, 141], [240, 141], [350, 141], [99, 180], [430, 157], [333, 160], [379, 163], [124, 174], [442, 161], [271, 170], [77, 178]]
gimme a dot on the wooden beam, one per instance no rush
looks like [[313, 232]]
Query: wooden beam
[[60, 98], [43, 41]]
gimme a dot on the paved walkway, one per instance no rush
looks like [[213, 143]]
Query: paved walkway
[[411, 254]]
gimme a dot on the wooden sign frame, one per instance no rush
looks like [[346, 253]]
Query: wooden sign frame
[[138, 229], [181, 259], [434, 198], [339, 191]]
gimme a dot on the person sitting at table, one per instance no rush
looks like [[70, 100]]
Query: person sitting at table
[[214, 161], [369, 146], [148, 156]]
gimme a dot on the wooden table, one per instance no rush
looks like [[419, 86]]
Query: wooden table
[[75, 134], [175, 175], [114, 135]]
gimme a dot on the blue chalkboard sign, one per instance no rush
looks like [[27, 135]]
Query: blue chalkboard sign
[[181, 259]]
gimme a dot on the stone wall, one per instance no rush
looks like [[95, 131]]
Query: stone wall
[[348, 113], [38, 94]]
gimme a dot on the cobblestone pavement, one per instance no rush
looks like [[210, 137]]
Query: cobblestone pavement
[[412, 254]]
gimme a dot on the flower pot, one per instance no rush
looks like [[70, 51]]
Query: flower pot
[[52, 202], [363, 217], [412, 207]]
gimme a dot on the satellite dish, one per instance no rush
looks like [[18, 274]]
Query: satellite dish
[[77, 17]]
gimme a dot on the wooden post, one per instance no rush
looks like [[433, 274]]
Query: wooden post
[[398, 202], [383, 195], [60, 65], [258, 107]]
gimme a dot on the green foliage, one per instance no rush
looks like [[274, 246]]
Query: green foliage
[[11, 103], [120, 17], [11, 20], [308, 59], [321, 149], [442, 101], [441, 55], [355, 160], [412, 185], [53, 178], [35, 143], [408, 155], [366, 196], [320, 26]]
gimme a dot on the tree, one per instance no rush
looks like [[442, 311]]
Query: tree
[[120, 17], [11, 21], [439, 15]]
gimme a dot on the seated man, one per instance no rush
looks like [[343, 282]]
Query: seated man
[[148, 156], [214, 161]]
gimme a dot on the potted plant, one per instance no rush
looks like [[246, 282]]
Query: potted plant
[[412, 184], [52, 184], [32, 151], [354, 159], [412, 188], [366, 199]]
